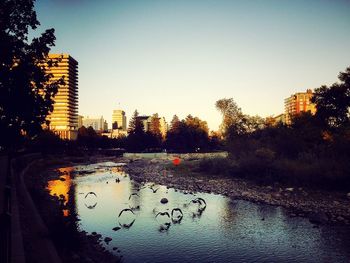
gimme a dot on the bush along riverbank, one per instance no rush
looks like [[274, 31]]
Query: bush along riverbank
[[71, 244], [212, 176]]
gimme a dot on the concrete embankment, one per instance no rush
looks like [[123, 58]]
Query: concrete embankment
[[19, 204]]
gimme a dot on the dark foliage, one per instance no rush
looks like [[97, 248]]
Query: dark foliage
[[26, 98]]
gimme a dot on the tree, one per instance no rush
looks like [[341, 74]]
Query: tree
[[231, 113], [26, 95], [333, 103], [187, 135], [155, 125], [135, 124], [234, 122], [175, 123]]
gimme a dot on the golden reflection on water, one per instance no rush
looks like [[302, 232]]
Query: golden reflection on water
[[60, 187]]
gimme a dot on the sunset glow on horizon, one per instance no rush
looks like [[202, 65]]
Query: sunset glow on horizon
[[180, 57]]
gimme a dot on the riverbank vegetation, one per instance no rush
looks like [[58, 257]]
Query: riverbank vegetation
[[314, 150]]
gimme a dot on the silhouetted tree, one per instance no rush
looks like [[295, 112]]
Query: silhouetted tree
[[188, 135], [231, 113], [115, 125], [333, 103], [135, 124], [175, 123], [26, 96]]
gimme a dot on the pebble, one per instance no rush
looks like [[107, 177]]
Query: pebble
[[340, 218], [164, 200], [107, 239]]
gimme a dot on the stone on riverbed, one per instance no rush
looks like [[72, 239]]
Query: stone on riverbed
[[318, 218], [107, 239], [164, 200]]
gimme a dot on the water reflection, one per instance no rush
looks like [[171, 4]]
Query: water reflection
[[61, 187], [192, 228]]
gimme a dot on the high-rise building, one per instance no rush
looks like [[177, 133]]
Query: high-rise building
[[297, 103], [97, 123], [64, 117], [119, 120]]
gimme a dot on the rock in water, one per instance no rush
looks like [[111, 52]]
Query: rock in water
[[107, 239], [318, 218], [164, 200]]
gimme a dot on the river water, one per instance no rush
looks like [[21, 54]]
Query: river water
[[196, 227]]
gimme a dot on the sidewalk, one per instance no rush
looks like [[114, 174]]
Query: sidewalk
[[5, 211]]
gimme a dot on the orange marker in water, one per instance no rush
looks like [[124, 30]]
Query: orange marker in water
[[176, 161]]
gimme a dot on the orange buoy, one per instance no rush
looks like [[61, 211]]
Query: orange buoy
[[176, 161]]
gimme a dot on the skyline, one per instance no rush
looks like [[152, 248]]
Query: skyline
[[181, 57]]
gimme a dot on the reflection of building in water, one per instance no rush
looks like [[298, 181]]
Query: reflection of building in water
[[61, 187]]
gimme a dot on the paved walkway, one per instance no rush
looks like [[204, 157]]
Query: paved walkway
[[4, 211], [3, 173]]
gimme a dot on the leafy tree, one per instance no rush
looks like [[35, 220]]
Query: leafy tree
[[231, 113], [175, 123], [234, 122], [333, 103], [155, 125], [26, 95], [188, 135]]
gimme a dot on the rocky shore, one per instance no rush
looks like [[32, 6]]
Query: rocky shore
[[320, 207]]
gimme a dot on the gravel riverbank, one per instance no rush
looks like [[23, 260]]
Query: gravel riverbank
[[319, 206]]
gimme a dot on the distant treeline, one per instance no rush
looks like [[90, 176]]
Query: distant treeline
[[187, 135]]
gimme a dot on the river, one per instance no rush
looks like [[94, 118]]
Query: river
[[190, 227]]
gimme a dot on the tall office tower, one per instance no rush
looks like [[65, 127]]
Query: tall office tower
[[297, 103], [119, 120], [64, 118]]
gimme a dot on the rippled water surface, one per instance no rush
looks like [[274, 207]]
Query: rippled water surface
[[217, 229]]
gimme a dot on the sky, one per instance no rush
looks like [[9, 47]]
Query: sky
[[181, 56]]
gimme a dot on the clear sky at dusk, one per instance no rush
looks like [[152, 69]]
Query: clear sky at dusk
[[181, 56]]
